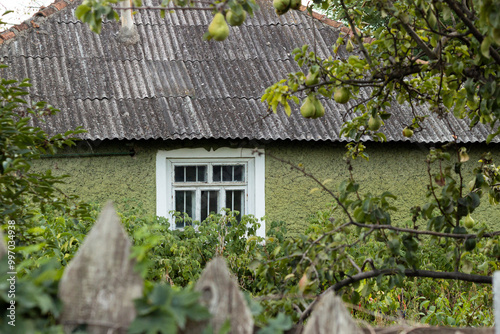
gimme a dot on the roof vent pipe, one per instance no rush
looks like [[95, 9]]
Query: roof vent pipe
[[128, 32]]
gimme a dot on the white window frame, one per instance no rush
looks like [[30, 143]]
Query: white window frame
[[254, 170]]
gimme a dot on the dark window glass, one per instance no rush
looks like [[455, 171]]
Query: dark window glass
[[209, 203], [227, 173], [239, 173], [190, 173], [202, 174], [184, 203], [235, 200], [179, 173], [217, 173]]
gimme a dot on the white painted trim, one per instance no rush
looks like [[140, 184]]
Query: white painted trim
[[162, 194], [256, 177]]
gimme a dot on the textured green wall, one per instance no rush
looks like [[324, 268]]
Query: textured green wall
[[130, 181], [125, 180], [396, 167]]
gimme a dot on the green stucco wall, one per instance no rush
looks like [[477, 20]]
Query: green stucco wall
[[130, 181], [395, 167], [126, 180]]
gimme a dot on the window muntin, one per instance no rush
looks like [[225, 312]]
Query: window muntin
[[235, 201], [184, 203], [190, 173], [228, 173], [205, 188], [209, 203]]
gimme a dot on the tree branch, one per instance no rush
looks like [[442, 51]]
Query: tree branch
[[421, 44], [354, 31], [387, 272], [163, 8], [412, 273], [437, 234], [454, 5]]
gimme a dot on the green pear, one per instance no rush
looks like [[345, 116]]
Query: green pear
[[374, 123], [349, 47], [281, 6], [407, 132], [341, 95], [469, 221], [295, 4], [235, 19], [218, 28], [308, 108], [320, 110], [312, 78]]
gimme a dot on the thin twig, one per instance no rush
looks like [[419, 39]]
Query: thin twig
[[163, 8]]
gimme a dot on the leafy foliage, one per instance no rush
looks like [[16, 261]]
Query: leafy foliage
[[20, 144], [36, 304], [443, 55], [93, 12], [165, 309]]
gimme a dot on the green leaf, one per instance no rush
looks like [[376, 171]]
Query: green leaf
[[81, 10], [425, 304], [448, 100], [467, 266], [288, 110], [155, 323], [225, 328], [394, 245], [277, 325], [485, 47], [160, 295]]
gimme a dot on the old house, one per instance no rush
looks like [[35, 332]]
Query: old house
[[173, 120]]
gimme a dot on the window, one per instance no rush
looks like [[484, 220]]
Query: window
[[200, 182], [202, 188]]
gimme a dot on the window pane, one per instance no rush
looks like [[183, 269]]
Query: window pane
[[184, 203], [217, 173], [202, 174], [227, 173], [190, 173], [235, 200], [179, 173], [239, 173], [209, 203]]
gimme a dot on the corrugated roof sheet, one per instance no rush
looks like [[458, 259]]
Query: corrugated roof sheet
[[174, 85]]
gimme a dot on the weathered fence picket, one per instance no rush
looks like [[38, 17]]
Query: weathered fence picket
[[331, 316], [222, 297], [99, 285]]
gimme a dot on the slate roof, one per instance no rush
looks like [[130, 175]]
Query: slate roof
[[174, 85]]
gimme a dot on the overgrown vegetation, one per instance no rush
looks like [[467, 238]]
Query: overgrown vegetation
[[277, 286]]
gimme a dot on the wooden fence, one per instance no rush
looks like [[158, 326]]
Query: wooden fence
[[99, 285]]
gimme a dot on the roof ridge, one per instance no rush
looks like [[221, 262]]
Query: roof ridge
[[32, 22], [59, 5]]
